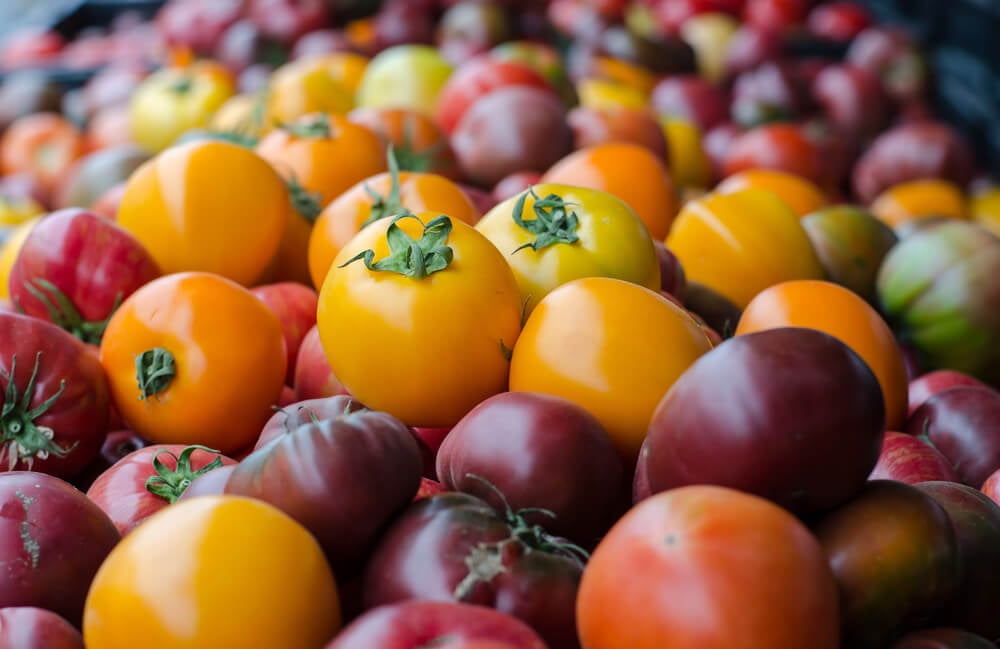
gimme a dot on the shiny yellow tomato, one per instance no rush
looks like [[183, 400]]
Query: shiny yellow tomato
[[325, 84], [801, 195], [417, 316], [9, 251], [177, 99], [985, 209], [214, 571], [689, 165], [553, 234], [405, 76], [604, 94], [919, 199], [739, 244], [208, 206], [612, 347]]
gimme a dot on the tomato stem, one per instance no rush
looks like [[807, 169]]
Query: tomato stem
[[390, 204], [315, 127], [154, 370], [305, 202], [412, 258], [64, 313], [170, 484], [23, 439], [554, 222], [410, 159], [182, 85]]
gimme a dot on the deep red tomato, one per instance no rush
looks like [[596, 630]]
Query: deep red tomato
[[782, 147], [775, 15], [838, 21], [295, 306], [29, 627], [147, 480]]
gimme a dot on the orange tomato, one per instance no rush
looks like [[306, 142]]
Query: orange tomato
[[324, 84], [801, 195], [629, 171], [612, 347], [708, 568], [42, 144], [919, 199], [377, 197], [843, 314], [739, 244], [194, 358], [214, 571]]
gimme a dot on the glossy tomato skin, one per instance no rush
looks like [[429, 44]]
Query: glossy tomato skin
[[90, 260], [943, 638], [313, 377], [782, 147], [910, 459], [538, 451], [43, 144], [27, 627], [593, 126], [122, 493], [295, 306], [927, 385], [67, 539], [790, 414], [414, 624], [455, 547], [700, 560], [212, 483], [306, 411], [68, 434], [341, 478], [895, 558]]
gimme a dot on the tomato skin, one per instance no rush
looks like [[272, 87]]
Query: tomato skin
[[417, 141], [216, 397], [250, 575], [322, 84], [313, 377], [17, 210], [942, 638], [166, 200], [294, 305], [121, 490], [457, 320], [709, 568], [780, 147], [43, 144], [300, 413], [9, 251], [28, 627], [801, 195]]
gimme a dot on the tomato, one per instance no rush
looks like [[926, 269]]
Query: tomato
[[708, 567], [779, 147], [323, 84], [313, 376], [839, 21], [984, 208], [28, 627], [243, 118], [541, 57], [9, 251], [98, 172], [943, 638], [727, 243], [800, 194], [285, 21], [176, 99], [919, 199], [191, 208], [689, 164], [417, 141], [844, 315], [610, 346], [630, 172], [75, 268], [709, 35], [405, 76], [305, 411], [603, 94], [109, 127], [43, 144], [295, 306], [148, 479], [15, 211], [553, 234], [212, 571], [193, 358], [455, 307], [375, 198]]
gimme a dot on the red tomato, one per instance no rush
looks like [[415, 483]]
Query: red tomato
[[775, 14], [782, 147], [314, 377], [839, 21], [295, 305]]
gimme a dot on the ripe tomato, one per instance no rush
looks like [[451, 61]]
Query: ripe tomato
[[176, 99], [405, 76], [690, 166], [984, 208], [214, 571], [324, 84], [208, 206], [383, 195], [17, 210], [709, 568], [43, 144], [12, 245], [843, 314], [295, 306], [193, 358], [728, 241], [417, 142], [920, 199], [610, 346], [553, 234], [630, 172], [781, 147], [454, 306], [29, 627], [800, 194]]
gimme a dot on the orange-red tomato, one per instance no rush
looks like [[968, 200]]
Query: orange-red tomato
[[803, 196], [42, 144], [782, 147], [843, 314]]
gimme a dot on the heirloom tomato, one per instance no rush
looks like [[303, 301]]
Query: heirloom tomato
[[28, 627], [16, 210], [194, 358], [419, 292], [9, 251], [920, 199], [405, 76], [295, 306], [984, 207], [208, 206], [43, 144], [553, 234], [323, 84], [417, 142], [214, 571], [800, 194], [689, 165]]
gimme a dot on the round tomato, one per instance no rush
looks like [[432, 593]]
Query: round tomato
[[709, 568], [630, 172], [43, 144], [176, 99], [193, 358], [553, 234], [405, 76], [208, 206], [920, 199], [780, 147], [800, 194], [420, 291], [689, 165], [383, 195], [214, 571], [28, 627], [324, 84], [845, 315], [417, 142], [610, 346], [17, 210]]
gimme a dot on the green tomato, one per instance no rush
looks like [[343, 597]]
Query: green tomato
[[405, 76]]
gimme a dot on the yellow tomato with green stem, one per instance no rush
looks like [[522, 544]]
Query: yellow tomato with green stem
[[324, 84], [552, 234], [417, 317]]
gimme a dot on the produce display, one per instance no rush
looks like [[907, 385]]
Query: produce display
[[493, 324]]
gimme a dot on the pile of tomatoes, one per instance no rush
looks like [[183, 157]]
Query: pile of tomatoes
[[500, 325]]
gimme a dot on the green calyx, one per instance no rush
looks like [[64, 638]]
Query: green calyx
[[182, 85], [63, 312], [409, 158], [418, 258], [170, 484], [390, 204], [305, 202], [22, 439], [554, 222], [317, 127], [154, 370]]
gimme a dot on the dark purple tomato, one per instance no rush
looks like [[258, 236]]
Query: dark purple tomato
[[287, 419]]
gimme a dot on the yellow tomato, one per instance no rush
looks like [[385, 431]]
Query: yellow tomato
[[689, 165], [214, 571], [625, 73], [15, 211], [612, 347], [325, 84], [985, 209], [208, 206], [709, 34], [739, 244], [798, 193], [604, 94], [919, 199], [405, 76], [9, 251], [417, 316], [243, 115], [553, 234]]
